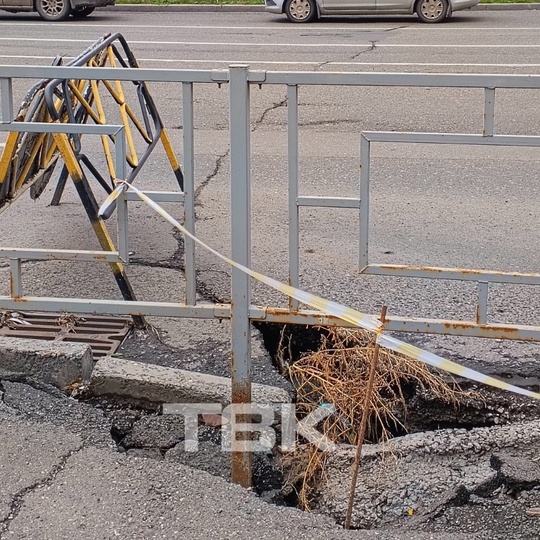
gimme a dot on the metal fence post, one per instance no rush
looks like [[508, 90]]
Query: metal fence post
[[121, 204], [241, 253], [6, 97], [189, 192]]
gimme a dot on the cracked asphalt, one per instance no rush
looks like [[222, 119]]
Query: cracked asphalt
[[451, 207], [56, 483]]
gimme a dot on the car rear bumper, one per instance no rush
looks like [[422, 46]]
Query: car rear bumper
[[91, 3], [457, 5], [273, 6]]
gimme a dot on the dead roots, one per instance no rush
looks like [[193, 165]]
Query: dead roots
[[336, 376]]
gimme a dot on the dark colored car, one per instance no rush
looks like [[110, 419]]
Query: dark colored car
[[55, 10]]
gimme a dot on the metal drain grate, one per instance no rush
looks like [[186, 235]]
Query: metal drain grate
[[103, 334]]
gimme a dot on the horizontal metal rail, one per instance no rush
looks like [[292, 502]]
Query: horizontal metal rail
[[157, 196], [460, 274], [433, 80], [328, 202], [116, 307], [81, 129], [451, 138], [59, 255], [114, 74], [402, 324]]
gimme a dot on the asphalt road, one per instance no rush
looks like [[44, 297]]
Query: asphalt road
[[450, 207], [447, 206]]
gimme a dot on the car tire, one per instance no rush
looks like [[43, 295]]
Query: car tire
[[432, 11], [80, 13], [53, 10], [301, 11]]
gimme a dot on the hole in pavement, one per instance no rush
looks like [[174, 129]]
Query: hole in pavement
[[140, 430], [423, 412]]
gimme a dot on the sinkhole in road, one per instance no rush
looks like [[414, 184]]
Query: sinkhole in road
[[420, 407], [139, 429]]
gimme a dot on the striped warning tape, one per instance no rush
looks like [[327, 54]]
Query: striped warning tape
[[352, 316]]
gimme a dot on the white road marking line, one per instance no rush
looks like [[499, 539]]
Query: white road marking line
[[370, 28], [290, 45], [415, 27], [286, 63]]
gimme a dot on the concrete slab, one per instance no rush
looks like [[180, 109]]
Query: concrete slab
[[29, 455], [54, 362], [119, 377]]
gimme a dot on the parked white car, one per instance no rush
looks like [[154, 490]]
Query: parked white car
[[55, 10], [429, 11]]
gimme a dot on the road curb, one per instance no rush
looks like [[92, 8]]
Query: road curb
[[55, 362], [507, 7], [186, 8], [236, 8], [158, 384]]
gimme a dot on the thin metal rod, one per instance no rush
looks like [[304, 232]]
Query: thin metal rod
[[328, 202], [44, 127], [189, 192], [122, 227], [363, 425], [294, 225]]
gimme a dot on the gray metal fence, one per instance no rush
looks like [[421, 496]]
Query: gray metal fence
[[241, 311]]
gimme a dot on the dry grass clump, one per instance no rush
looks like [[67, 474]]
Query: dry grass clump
[[337, 375]]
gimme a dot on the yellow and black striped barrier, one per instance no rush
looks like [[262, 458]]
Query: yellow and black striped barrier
[[28, 159]]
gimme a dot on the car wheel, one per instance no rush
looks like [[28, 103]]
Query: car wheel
[[53, 10], [301, 11], [80, 13], [432, 11]]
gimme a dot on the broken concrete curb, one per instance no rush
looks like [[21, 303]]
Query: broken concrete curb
[[410, 474], [55, 362], [149, 382]]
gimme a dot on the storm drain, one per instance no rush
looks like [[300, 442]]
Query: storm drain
[[104, 334]]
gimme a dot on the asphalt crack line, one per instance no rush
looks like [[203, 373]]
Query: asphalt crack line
[[323, 64], [18, 499], [394, 28], [212, 175], [176, 261], [202, 288], [273, 107], [371, 48], [222, 157]]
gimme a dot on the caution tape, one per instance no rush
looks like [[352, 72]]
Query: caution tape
[[352, 316]]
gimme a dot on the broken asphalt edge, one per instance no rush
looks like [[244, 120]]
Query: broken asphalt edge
[[234, 8], [62, 363]]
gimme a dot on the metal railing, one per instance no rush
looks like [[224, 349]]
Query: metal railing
[[240, 310]]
